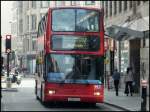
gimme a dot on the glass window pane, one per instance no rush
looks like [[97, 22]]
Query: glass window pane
[[120, 6], [130, 4], [115, 7], [110, 8], [59, 3], [79, 20], [89, 2], [33, 4], [73, 69], [138, 2], [33, 44], [63, 20], [33, 22], [44, 4], [69, 42], [106, 9], [27, 27], [125, 5], [73, 2], [87, 20]]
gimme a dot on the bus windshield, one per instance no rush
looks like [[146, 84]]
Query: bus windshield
[[74, 42], [73, 68], [75, 20]]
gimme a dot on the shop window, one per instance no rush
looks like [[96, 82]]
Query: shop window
[[89, 2], [44, 4], [115, 7], [120, 6], [110, 8], [125, 5], [33, 17], [33, 4], [73, 3], [138, 2], [130, 4], [106, 9]]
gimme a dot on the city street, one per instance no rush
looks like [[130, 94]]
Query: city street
[[66, 53], [23, 99]]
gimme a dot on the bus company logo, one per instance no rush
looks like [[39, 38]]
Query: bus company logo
[[97, 86]]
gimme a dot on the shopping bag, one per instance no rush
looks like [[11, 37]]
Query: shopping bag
[[133, 83]]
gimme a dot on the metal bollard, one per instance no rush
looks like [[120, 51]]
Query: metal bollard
[[144, 95]]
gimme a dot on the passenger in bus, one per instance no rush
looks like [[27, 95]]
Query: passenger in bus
[[116, 77], [74, 74], [54, 66]]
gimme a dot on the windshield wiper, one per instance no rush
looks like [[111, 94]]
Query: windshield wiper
[[62, 81], [87, 82]]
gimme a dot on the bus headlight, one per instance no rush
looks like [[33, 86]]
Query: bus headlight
[[97, 93], [51, 92]]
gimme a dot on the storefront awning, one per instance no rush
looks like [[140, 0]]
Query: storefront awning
[[122, 33], [129, 30]]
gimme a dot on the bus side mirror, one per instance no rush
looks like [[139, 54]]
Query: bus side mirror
[[39, 60]]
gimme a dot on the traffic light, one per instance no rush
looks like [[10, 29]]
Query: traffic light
[[8, 43]]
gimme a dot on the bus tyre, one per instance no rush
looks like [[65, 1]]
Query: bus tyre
[[36, 87], [92, 104], [37, 97], [36, 90], [36, 94], [42, 100]]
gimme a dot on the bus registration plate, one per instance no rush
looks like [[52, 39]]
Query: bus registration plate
[[73, 99]]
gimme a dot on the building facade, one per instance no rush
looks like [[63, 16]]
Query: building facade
[[122, 13], [133, 15]]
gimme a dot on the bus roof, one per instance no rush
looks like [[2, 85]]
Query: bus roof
[[75, 7]]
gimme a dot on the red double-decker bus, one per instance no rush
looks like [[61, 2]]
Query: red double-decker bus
[[70, 64]]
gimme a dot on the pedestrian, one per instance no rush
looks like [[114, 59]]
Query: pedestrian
[[128, 81], [116, 78]]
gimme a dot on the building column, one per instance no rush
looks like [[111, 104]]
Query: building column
[[135, 61], [119, 56]]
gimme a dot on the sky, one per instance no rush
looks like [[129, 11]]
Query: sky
[[6, 17]]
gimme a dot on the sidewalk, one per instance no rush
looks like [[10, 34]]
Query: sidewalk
[[13, 87], [130, 103], [28, 75]]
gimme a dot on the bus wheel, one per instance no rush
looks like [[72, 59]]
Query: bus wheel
[[92, 104], [37, 96], [36, 90], [35, 87], [42, 100]]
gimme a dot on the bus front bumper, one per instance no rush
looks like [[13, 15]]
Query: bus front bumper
[[84, 98]]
